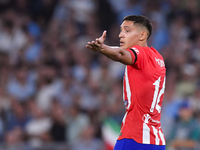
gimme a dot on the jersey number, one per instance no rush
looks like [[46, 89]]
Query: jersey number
[[157, 95]]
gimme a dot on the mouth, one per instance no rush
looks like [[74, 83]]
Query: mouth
[[121, 43]]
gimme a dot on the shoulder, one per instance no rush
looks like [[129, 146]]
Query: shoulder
[[148, 50], [138, 50], [153, 50]]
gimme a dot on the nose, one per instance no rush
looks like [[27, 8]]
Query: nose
[[121, 35]]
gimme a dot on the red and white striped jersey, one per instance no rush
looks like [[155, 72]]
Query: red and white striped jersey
[[143, 90]]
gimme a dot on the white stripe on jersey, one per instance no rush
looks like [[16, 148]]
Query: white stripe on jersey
[[128, 91], [155, 131], [124, 117], [160, 94], [123, 92], [162, 137], [123, 121], [146, 134]]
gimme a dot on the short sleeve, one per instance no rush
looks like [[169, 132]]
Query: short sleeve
[[140, 56]]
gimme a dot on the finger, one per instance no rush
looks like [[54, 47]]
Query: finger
[[88, 46], [98, 41], [104, 34], [91, 48], [91, 43], [94, 44], [102, 38]]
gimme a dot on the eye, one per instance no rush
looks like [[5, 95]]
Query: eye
[[127, 31]]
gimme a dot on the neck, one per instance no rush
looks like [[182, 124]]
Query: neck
[[142, 43]]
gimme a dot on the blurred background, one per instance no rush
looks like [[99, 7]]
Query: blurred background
[[57, 95]]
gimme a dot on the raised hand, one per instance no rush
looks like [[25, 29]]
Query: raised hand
[[97, 45]]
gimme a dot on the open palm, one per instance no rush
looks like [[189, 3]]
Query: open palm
[[96, 45]]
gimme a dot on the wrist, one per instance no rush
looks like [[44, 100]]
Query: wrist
[[103, 47]]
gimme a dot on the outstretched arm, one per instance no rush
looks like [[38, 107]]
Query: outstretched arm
[[114, 53]]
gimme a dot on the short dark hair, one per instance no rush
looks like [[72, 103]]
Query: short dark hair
[[139, 19]]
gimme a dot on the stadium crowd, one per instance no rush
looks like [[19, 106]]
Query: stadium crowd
[[55, 94]]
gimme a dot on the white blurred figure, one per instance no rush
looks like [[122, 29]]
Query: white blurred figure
[[38, 127]]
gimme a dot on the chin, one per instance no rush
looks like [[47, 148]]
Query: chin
[[123, 47]]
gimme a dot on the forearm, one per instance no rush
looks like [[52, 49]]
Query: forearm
[[114, 53]]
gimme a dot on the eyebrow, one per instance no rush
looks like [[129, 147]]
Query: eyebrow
[[124, 27]]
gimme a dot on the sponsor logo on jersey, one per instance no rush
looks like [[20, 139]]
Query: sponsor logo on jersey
[[147, 118], [160, 62]]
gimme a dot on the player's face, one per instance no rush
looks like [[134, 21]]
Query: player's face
[[129, 35]]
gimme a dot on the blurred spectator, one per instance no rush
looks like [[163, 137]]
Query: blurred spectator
[[82, 9], [4, 5], [76, 123], [62, 11], [32, 49], [196, 50], [105, 14], [188, 84], [12, 37], [115, 105], [185, 133], [17, 116], [87, 140], [170, 109], [58, 128], [195, 29], [68, 89], [132, 7], [5, 101], [38, 127], [49, 84], [42, 11], [15, 140], [195, 103], [22, 81]]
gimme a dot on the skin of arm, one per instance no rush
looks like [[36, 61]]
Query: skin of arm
[[114, 53]]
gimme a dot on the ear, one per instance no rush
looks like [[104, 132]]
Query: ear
[[143, 35]]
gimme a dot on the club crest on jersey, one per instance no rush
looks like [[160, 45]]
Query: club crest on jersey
[[126, 102], [136, 50]]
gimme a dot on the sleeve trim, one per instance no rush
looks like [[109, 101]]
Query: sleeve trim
[[134, 54]]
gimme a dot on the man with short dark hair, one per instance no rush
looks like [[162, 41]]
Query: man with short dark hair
[[143, 84]]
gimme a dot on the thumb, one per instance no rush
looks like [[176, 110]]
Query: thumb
[[102, 38], [104, 35]]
